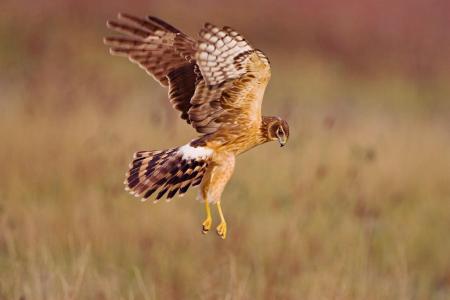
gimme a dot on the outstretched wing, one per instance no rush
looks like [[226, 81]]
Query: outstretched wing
[[217, 82], [163, 51], [234, 77]]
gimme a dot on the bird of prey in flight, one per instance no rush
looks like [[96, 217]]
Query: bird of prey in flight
[[217, 84]]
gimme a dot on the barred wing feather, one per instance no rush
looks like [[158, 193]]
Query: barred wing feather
[[216, 82], [162, 51], [234, 78]]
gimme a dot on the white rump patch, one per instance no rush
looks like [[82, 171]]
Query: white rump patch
[[190, 152]]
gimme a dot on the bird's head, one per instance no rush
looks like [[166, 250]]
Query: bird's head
[[277, 129]]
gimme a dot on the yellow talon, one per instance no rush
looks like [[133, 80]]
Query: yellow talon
[[222, 228], [206, 226]]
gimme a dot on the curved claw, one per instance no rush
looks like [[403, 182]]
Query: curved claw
[[222, 230], [206, 226]]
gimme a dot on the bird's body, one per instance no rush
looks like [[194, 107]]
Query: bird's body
[[218, 84]]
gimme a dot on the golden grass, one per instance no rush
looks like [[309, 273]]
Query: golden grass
[[355, 207]]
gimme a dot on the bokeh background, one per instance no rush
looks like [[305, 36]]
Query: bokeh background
[[357, 206]]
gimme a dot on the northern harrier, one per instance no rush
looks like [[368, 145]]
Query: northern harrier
[[217, 83]]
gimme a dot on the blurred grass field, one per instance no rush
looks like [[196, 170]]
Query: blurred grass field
[[357, 206]]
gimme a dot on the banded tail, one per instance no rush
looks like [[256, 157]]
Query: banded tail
[[169, 171]]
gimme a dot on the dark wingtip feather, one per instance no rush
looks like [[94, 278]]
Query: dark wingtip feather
[[184, 189], [163, 24], [122, 15], [112, 24], [161, 193], [172, 193], [149, 193], [129, 17]]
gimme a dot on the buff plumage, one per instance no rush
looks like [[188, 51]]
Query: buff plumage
[[217, 84]]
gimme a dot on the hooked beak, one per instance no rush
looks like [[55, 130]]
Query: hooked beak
[[282, 141]]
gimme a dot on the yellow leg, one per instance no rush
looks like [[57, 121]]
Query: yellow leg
[[222, 228], [207, 223]]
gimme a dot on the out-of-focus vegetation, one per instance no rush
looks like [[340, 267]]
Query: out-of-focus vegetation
[[357, 206]]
